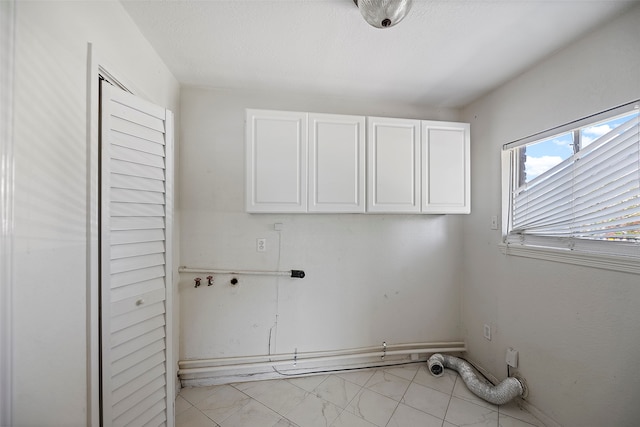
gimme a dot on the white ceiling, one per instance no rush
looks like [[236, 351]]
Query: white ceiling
[[445, 53]]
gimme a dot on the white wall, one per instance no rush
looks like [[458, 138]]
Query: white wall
[[7, 20], [577, 328], [50, 288], [370, 278]]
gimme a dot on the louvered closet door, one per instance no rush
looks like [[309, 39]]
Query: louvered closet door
[[136, 206]]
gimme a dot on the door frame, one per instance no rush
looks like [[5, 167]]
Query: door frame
[[94, 70], [7, 55], [97, 68]]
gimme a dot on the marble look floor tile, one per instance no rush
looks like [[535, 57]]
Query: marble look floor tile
[[403, 371], [285, 423], [507, 421], [222, 403], [460, 390], [359, 377], [314, 412], [295, 402], [427, 400], [373, 407], [181, 404], [281, 396], [513, 410], [444, 383], [194, 395], [406, 416], [347, 419], [192, 417], [463, 413], [308, 383], [388, 385], [253, 414], [254, 388], [337, 391]]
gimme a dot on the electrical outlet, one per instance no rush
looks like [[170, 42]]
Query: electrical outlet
[[261, 244], [494, 222], [512, 357], [487, 332]]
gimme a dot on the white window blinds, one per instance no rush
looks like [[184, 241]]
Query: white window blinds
[[593, 195]]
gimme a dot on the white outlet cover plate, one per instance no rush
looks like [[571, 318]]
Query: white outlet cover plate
[[494, 222], [512, 357], [487, 332]]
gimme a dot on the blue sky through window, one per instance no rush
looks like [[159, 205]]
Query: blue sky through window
[[543, 155]]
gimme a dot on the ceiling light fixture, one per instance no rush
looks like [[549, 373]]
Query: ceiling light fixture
[[383, 13]]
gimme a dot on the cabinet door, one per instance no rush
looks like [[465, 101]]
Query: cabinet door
[[445, 167], [393, 176], [276, 170], [336, 163]]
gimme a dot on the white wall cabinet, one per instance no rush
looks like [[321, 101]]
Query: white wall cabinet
[[393, 174], [308, 162], [276, 161], [445, 167], [336, 163]]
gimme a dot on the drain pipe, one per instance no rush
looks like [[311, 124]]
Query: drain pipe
[[498, 395]]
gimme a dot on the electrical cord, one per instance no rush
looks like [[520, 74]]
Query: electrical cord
[[330, 371]]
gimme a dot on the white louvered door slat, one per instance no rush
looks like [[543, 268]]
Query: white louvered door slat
[[119, 294], [136, 206], [130, 346], [130, 304], [136, 183], [135, 156], [132, 277], [125, 378], [135, 209], [137, 223], [136, 169], [136, 196], [119, 237], [137, 249], [120, 337]]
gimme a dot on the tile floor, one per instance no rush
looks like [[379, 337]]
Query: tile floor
[[402, 396]]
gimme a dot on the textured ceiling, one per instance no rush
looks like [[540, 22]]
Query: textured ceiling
[[445, 53]]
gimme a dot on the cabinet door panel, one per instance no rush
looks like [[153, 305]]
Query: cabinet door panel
[[445, 163], [393, 177], [336, 163], [276, 161]]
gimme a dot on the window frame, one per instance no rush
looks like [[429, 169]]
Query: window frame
[[610, 255]]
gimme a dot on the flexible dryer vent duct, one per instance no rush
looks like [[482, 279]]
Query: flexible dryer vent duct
[[498, 395]]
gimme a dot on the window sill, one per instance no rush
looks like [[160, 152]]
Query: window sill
[[586, 259]]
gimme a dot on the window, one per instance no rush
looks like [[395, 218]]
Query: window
[[576, 187]]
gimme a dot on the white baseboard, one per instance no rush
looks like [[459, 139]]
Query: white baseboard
[[257, 374], [205, 372]]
